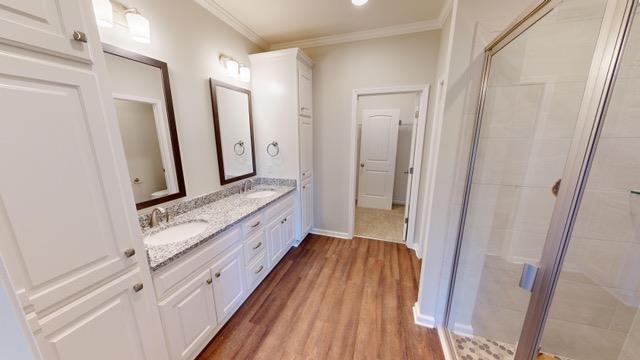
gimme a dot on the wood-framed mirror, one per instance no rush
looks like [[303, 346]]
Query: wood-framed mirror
[[233, 125], [144, 106]]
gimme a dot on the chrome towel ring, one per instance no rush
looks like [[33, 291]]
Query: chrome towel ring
[[273, 149], [238, 148]]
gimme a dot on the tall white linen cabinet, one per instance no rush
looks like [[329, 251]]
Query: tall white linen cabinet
[[69, 237], [283, 124]]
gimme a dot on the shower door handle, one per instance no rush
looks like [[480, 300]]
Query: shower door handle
[[528, 277]]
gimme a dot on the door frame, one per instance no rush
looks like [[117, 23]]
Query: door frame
[[422, 90], [612, 38]]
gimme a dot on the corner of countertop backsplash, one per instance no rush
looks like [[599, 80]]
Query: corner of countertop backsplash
[[186, 205]]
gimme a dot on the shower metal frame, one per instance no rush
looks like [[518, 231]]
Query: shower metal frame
[[606, 60]]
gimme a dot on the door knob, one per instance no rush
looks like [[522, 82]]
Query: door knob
[[137, 287], [129, 252], [217, 275], [556, 187], [79, 36]]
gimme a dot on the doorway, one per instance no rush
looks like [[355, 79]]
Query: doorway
[[547, 248], [388, 126]]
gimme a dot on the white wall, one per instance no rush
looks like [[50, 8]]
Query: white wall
[[190, 40], [338, 70]]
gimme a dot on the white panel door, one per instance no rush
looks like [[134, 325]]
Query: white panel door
[[189, 317], [45, 25], [307, 206], [229, 283], [64, 221], [305, 91], [306, 147], [108, 323], [378, 145], [274, 241]]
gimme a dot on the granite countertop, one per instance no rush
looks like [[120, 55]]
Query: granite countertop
[[220, 216]]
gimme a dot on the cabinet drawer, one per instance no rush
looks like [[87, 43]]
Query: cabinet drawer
[[276, 210], [254, 246], [168, 277], [253, 224], [256, 271]]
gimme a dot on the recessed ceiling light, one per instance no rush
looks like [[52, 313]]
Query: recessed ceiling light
[[359, 2]]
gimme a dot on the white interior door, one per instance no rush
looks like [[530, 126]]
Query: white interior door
[[379, 142], [412, 159]]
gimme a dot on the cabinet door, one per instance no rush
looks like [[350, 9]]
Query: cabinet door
[[189, 317], [306, 147], [46, 26], [305, 92], [274, 241], [288, 230], [229, 283], [109, 323], [307, 206], [63, 219]]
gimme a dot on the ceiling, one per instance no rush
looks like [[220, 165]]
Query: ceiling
[[286, 21]]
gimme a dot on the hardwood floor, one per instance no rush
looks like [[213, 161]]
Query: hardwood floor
[[332, 299]]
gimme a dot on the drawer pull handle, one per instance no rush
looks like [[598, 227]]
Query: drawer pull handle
[[217, 275], [257, 245], [129, 252], [209, 281], [79, 36], [256, 224], [261, 267], [137, 287]]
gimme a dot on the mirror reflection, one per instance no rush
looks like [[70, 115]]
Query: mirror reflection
[[234, 131], [142, 99]]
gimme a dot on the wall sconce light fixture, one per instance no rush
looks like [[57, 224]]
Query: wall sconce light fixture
[[235, 69], [137, 24]]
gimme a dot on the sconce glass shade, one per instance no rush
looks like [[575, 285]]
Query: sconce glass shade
[[138, 26], [245, 73], [232, 67], [103, 12]]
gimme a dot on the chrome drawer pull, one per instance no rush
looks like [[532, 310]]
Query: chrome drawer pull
[[137, 287], [256, 224], [129, 252], [261, 267], [257, 245], [209, 281]]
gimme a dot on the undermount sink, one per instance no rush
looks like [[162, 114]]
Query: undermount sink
[[260, 194], [176, 233]]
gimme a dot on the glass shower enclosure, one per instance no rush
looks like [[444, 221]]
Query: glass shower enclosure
[[547, 262]]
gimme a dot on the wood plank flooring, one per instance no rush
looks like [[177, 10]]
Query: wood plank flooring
[[332, 299]]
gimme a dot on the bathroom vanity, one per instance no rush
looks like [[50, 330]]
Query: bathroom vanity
[[211, 255]]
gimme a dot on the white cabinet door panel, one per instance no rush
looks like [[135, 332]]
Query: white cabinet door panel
[[189, 317], [307, 206], [64, 221], [306, 147], [305, 91], [274, 241], [229, 283], [105, 324], [288, 230], [45, 25]]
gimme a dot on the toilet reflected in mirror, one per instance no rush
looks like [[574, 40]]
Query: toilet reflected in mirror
[[142, 98]]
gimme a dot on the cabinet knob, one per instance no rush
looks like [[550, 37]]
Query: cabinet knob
[[137, 287], [79, 36], [217, 275], [209, 281], [129, 252]]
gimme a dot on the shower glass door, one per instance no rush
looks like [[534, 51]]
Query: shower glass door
[[594, 312], [533, 87]]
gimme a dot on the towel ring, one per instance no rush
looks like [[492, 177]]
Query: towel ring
[[273, 153], [239, 145]]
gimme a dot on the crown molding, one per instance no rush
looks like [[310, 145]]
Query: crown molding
[[230, 20]]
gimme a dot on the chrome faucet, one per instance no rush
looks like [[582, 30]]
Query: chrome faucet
[[246, 188], [155, 216]]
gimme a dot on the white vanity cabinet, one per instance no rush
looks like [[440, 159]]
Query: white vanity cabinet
[[200, 291], [70, 243], [282, 94]]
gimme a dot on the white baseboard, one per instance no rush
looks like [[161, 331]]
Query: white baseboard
[[336, 234], [463, 329], [423, 320], [444, 343]]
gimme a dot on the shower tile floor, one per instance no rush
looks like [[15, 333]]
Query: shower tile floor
[[478, 348]]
